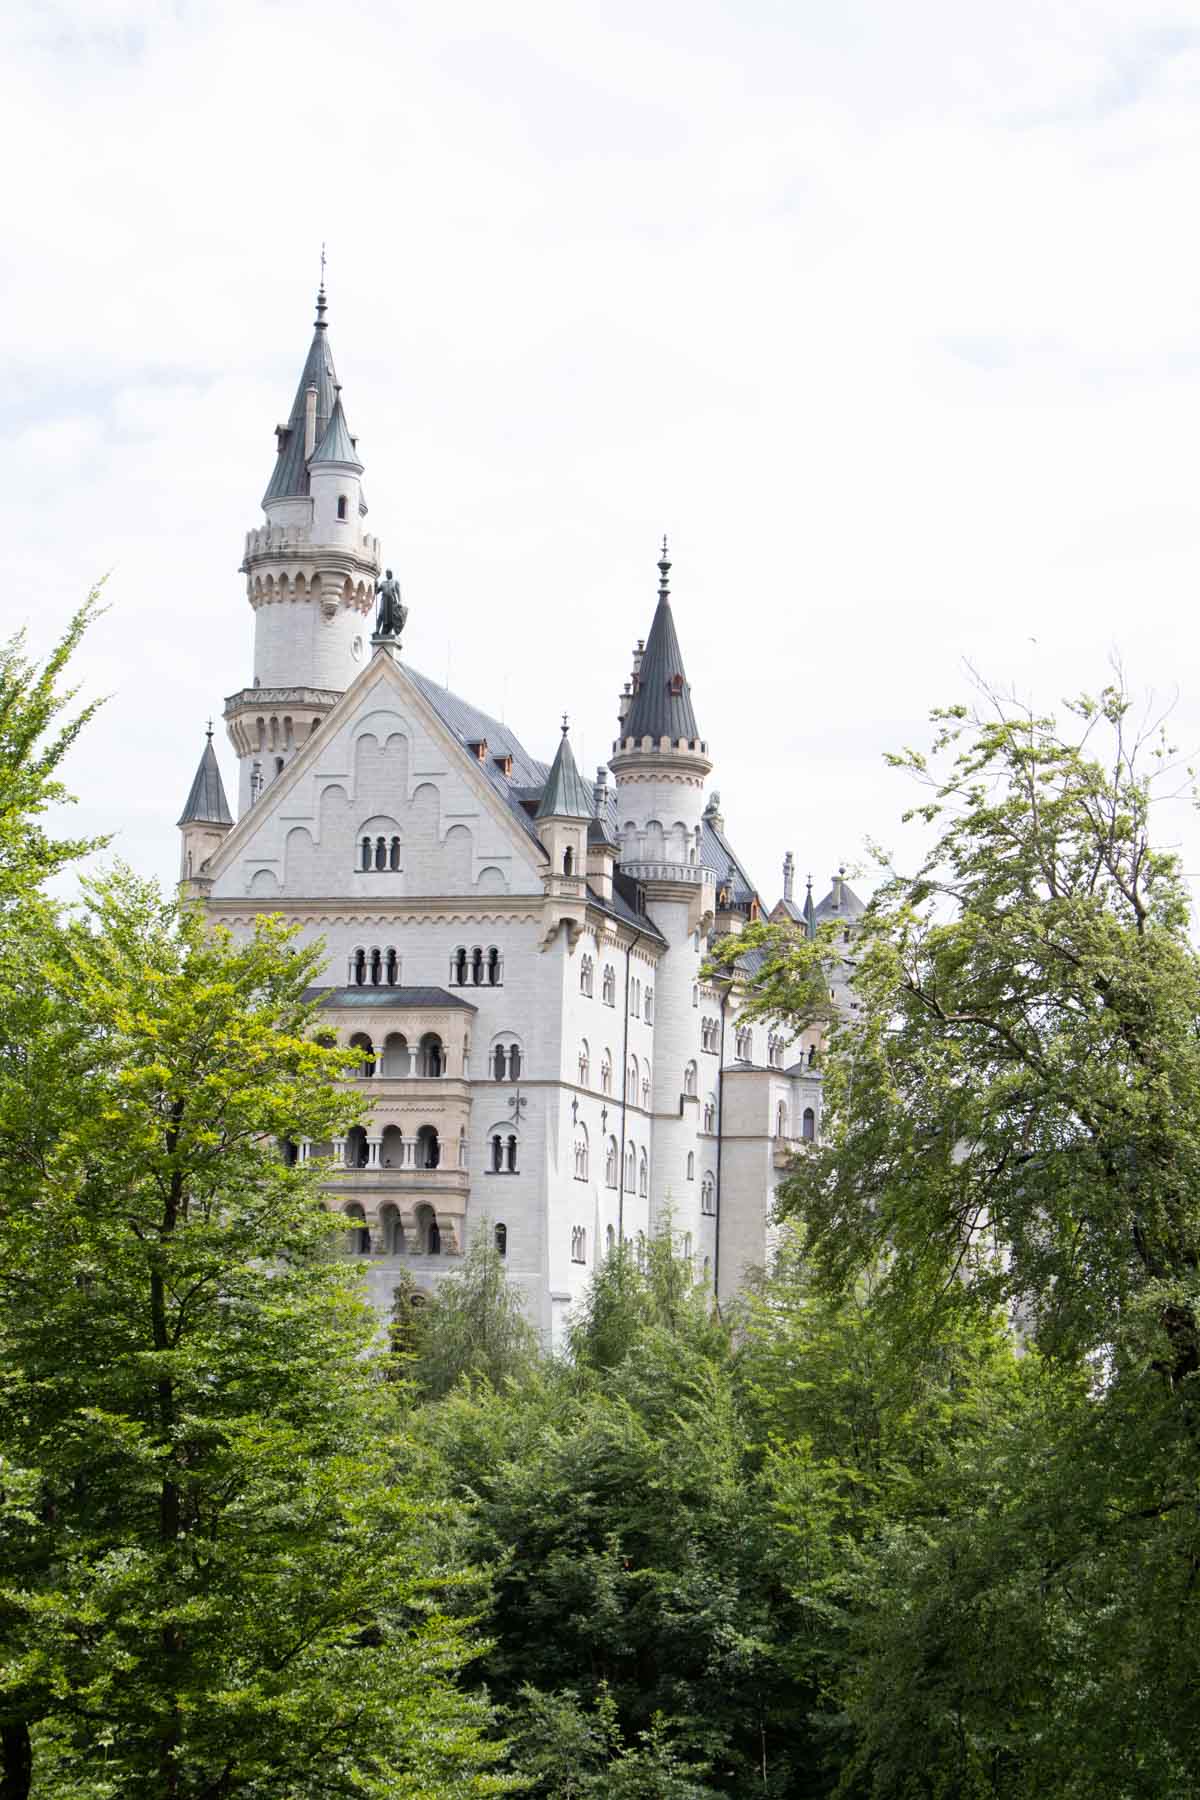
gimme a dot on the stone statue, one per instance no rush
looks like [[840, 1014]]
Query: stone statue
[[392, 613]]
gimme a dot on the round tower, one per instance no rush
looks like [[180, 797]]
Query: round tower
[[310, 575], [660, 760]]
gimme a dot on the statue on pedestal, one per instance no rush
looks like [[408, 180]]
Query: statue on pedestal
[[392, 612]]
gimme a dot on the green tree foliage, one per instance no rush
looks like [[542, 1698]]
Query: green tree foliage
[[474, 1328], [223, 1566], [1012, 1126]]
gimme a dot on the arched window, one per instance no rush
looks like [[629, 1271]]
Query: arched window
[[510, 1154], [435, 1238], [429, 1238], [630, 1168], [808, 1128], [494, 969], [357, 1153], [643, 1175], [585, 1064], [646, 1089], [706, 1271], [610, 1163], [812, 1056], [579, 1245], [497, 1153], [581, 1152], [360, 1041], [610, 1241], [635, 996], [608, 986], [631, 1081], [381, 853], [745, 1044], [710, 1115], [359, 974], [585, 976], [392, 968], [366, 853], [396, 1063], [568, 861], [394, 853], [429, 1148], [687, 1245], [341, 506], [500, 1236], [376, 967], [391, 1230], [649, 1012], [462, 1148], [689, 1080], [458, 967], [477, 966], [691, 1165], [499, 1062], [391, 1148], [359, 1235], [708, 1194], [431, 1056], [781, 1119], [606, 1072]]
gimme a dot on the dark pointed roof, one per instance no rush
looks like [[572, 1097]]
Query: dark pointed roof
[[662, 705], [206, 803], [291, 472], [566, 794], [336, 446]]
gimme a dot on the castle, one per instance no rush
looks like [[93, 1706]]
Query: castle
[[515, 952]]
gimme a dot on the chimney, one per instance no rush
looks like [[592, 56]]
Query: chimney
[[789, 876], [624, 703], [310, 421]]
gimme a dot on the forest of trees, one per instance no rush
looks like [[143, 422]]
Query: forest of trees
[[918, 1518]]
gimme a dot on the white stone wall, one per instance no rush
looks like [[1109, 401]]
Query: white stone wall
[[298, 644]]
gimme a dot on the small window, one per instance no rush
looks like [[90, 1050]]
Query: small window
[[809, 1125], [568, 861], [501, 1240], [691, 1165], [366, 853], [579, 1245], [342, 506], [494, 967], [458, 967], [394, 853]]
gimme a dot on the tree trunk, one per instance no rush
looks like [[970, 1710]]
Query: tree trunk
[[16, 1761]]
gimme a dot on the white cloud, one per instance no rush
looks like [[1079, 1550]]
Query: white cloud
[[887, 315]]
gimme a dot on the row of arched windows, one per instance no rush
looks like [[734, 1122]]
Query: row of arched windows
[[745, 1044], [581, 1152], [375, 967], [379, 853], [398, 1060], [710, 1035], [477, 967], [637, 1083], [578, 1244], [392, 1239], [506, 1062], [504, 1153], [775, 1049]]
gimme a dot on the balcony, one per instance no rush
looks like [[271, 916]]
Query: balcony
[[691, 874], [361, 1184], [783, 1150]]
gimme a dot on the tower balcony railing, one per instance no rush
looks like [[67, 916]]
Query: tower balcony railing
[[693, 874]]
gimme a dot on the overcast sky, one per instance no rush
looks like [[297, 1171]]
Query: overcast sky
[[889, 315]]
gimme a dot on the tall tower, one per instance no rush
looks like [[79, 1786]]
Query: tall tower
[[310, 578], [661, 762]]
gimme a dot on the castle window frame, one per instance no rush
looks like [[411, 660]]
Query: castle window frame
[[608, 985], [343, 507]]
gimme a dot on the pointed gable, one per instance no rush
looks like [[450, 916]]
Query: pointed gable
[[337, 446], [565, 795]]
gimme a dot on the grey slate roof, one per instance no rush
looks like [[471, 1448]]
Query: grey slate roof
[[657, 711], [470, 726], [398, 997], [337, 445], [717, 854], [290, 476], [841, 902], [566, 795], [206, 803]]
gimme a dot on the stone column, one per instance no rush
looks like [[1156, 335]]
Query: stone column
[[305, 1150], [374, 1146], [339, 1152]]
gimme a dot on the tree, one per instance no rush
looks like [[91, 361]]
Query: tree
[[1012, 1125], [473, 1329], [223, 1558]]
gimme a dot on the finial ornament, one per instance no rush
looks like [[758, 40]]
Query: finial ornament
[[208, 731], [320, 318], [664, 569], [392, 614], [565, 726]]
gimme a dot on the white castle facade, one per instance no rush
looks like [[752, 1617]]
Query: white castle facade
[[516, 953]]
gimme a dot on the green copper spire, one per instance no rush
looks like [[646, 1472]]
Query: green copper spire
[[565, 795]]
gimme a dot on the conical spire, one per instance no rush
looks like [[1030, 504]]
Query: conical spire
[[810, 913], [206, 803], [337, 445], [662, 704], [565, 795], [290, 477]]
